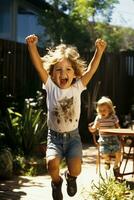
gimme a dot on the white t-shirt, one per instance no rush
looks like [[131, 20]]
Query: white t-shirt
[[63, 106]]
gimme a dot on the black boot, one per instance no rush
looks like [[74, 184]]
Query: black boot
[[56, 190], [71, 184]]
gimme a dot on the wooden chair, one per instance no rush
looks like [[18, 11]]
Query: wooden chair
[[95, 136], [128, 153], [128, 150]]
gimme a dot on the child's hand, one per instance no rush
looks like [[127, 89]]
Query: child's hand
[[100, 45], [31, 39], [90, 129]]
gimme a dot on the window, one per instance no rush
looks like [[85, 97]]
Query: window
[[27, 23], [5, 19]]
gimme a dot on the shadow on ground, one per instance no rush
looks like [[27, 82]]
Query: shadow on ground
[[14, 189], [89, 154], [8, 188]]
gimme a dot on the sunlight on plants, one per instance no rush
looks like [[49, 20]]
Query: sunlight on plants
[[110, 189]]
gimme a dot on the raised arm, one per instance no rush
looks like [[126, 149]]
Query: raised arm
[[31, 41], [93, 65]]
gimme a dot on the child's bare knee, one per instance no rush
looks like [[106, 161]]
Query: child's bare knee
[[53, 164]]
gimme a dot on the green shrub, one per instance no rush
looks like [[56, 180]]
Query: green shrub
[[23, 132], [27, 130], [31, 166], [33, 128], [110, 189]]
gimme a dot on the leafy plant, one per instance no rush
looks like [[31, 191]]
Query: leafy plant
[[23, 133], [9, 128], [33, 127], [31, 166], [110, 189]]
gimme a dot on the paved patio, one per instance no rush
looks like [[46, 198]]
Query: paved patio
[[38, 188]]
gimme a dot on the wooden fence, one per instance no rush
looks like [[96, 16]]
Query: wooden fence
[[115, 79], [115, 76], [17, 74]]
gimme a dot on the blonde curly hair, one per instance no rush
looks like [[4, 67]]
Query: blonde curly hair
[[60, 52], [105, 101]]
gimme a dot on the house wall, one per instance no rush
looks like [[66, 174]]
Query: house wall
[[5, 19], [19, 19]]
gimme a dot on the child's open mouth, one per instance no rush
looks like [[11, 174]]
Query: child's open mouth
[[103, 115], [63, 81]]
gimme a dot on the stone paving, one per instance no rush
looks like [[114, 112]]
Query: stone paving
[[38, 188]]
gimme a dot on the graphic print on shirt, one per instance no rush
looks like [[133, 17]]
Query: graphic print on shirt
[[65, 110]]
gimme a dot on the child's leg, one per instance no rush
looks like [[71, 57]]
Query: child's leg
[[116, 168], [56, 183], [54, 155], [107, 161], [74, 169], [74, 166], [74, 159], [105, 152], [53, 164], [117, 159], [106, 158]]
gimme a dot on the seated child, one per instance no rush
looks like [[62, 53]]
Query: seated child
[[106, 118]]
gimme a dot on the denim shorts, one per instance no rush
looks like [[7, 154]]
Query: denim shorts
[[109, 145], [64, 145]]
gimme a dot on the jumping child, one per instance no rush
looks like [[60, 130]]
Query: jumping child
[[62, 72]]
